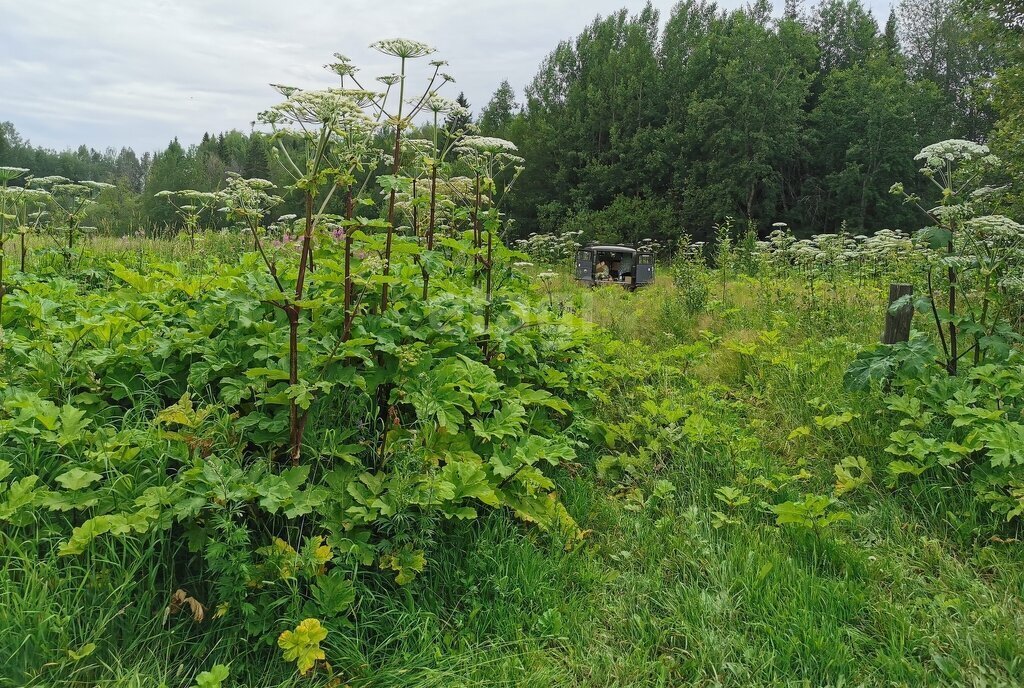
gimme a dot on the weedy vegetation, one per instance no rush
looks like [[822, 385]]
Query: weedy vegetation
[[380, 442]]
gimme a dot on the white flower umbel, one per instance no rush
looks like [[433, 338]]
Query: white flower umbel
[[987, 191], [286, 91], [403, 48], [333, 107], [342, 66], [996, 228], [43, 182], [938, 154], [248, 200], [9, 173], [488, 144], [440, 105]]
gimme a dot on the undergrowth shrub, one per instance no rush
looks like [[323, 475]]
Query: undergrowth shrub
[[691, 275]]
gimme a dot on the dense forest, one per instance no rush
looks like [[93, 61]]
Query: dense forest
[[641, 130], [644, 126]]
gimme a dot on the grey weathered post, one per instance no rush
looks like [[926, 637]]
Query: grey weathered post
[[897, 324]]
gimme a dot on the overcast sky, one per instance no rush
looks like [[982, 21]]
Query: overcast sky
[[140, 72]]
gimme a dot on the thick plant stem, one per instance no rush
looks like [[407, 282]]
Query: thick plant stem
[[384, 390], [477, 238], [346, 332], [391, 222], [71, 246], [935, 315], [951, 366], [307, 243], [430, 228], [295, 433], [984, 318], [295, 422], [415, 213], [487, 308], [395, 167]]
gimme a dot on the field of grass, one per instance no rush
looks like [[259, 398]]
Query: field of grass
[[681, 575]]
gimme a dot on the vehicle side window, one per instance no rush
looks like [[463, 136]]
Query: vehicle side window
[[646, 259], [583, 256]]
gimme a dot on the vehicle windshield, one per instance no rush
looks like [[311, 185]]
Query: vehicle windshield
[[613, 265]]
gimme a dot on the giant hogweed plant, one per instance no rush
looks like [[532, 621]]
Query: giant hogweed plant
[[970, 426], [7, 198], [465, 433], [963, 422], [27, 213], [335, 129], [974, 252], [398, 118], [437, 208], [223, 361], [70, 203], [191, 206], [488, 158]]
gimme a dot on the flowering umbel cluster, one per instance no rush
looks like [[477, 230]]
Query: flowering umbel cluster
[[487, 144], [403, 48], [339, 109], [551, 249], [885, 248], [9, 173], [938, 155]]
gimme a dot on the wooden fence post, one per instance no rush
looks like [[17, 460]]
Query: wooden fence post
[[897, 324]]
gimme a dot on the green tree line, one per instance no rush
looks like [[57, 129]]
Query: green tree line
[[644, 126], [133, 205], [639, 128]]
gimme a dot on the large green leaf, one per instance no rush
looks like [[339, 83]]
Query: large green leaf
[[1004, 443]]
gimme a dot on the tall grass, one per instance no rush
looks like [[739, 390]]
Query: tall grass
[[656, 595]]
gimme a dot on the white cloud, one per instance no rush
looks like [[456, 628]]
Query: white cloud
[[140, 72]]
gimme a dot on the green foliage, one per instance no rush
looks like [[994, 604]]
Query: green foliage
[[206, 371], [966, 426], [813, 512], [691, 275], [302, 645], [214, 678], [424, 407], [852, 473], [713, 436], [343, 428]]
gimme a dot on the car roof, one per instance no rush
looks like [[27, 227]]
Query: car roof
[[616, 249]]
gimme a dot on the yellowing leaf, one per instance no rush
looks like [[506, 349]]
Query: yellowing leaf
[[851, 473], [302, 645], [182, 413], [406, 561], [82, 652], [802, 431]]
